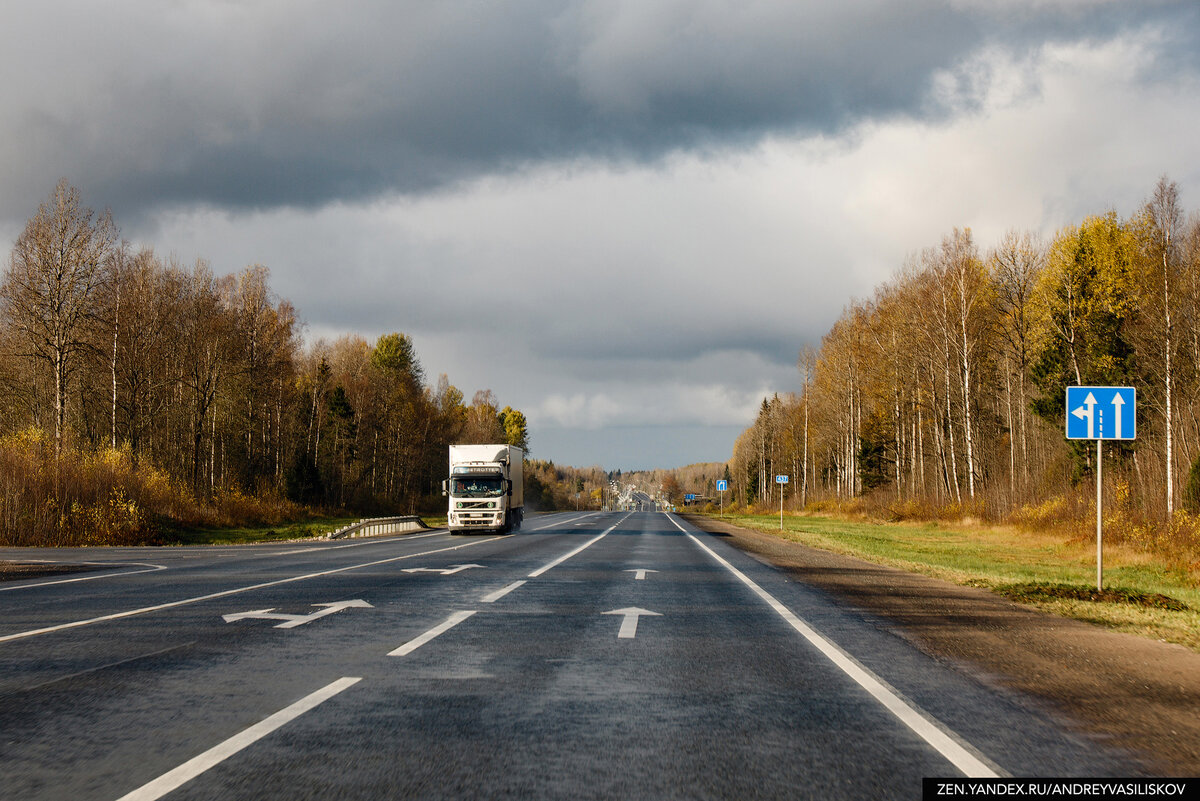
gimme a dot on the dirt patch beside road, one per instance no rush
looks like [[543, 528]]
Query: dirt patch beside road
[[1142, 694]]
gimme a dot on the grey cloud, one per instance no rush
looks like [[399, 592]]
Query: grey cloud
[[266, 105]]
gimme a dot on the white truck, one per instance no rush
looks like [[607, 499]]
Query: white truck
[[486, 489]]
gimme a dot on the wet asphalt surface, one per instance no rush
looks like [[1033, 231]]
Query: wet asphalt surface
[[131, 682]]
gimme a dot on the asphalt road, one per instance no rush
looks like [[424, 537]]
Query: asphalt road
[[486, 667]]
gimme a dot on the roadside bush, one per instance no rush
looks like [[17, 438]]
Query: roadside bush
[[100, 498]]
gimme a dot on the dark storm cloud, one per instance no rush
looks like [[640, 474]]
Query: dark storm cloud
[[258, 105]]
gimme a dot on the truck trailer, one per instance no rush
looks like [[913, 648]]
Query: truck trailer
[[485, 488]]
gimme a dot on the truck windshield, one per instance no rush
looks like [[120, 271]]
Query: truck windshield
[[475, 486]]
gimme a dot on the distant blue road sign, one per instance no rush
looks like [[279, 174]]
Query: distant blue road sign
[[689, 497], [781, 479], [1101, 413], [722, 485]]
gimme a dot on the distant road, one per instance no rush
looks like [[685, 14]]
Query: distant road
[[591, 655]]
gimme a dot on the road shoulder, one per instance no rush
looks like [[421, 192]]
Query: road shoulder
[[1139, 694]]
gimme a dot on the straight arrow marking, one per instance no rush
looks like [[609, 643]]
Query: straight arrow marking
[[630, 622]]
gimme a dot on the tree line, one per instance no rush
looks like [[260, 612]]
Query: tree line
[[944, 393], [137, 391]]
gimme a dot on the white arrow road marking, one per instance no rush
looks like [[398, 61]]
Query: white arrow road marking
[[219, 753], [292, 621], [445, 571], [629, 624], [211, 596], [641, 573], [441, 628]]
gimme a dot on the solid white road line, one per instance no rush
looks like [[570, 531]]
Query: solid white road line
[[219, 753], [492, 597], [186, 601], [441, 628], [583, 547], [149, 569], [945, 743]]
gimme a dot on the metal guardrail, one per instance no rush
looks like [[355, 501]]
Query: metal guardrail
[[376, 526]]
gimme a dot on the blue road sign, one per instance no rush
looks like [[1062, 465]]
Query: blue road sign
[[689, 497], [722, 485], [1101, 413], [781, 479]]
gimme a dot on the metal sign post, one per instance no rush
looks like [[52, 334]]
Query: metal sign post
[[1086, 419], [722, 485], [781, 480], [1099, 516]]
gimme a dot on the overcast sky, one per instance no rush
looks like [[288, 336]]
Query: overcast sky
[[625, 217]]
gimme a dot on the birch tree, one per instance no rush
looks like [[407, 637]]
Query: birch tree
[[1161, 223], [60, 268]]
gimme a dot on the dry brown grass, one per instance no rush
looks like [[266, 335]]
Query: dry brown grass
[[100, 498]]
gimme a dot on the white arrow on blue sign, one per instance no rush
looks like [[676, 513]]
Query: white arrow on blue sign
[[722, 485], [781, 479], [1101, 413]]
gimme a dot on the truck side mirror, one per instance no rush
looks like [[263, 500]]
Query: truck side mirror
[[506, 487], [445, 486]]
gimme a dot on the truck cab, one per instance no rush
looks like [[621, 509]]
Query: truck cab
[[485, 488]]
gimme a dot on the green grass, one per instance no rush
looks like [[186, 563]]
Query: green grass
[[308, 528], [1141, 596], [301, 529]]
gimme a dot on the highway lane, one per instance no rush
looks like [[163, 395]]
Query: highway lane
[[509, 678]]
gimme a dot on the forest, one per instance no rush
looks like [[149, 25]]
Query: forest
[[138, 393], [942, 397]]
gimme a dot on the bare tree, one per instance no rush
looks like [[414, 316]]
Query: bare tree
[[1163, 220], [1016, 265], [59, 269]]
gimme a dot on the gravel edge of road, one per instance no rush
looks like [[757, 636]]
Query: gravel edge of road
[[1140, 694]]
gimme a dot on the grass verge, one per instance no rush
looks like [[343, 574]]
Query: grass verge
[[1141, 595], [298, 530]]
